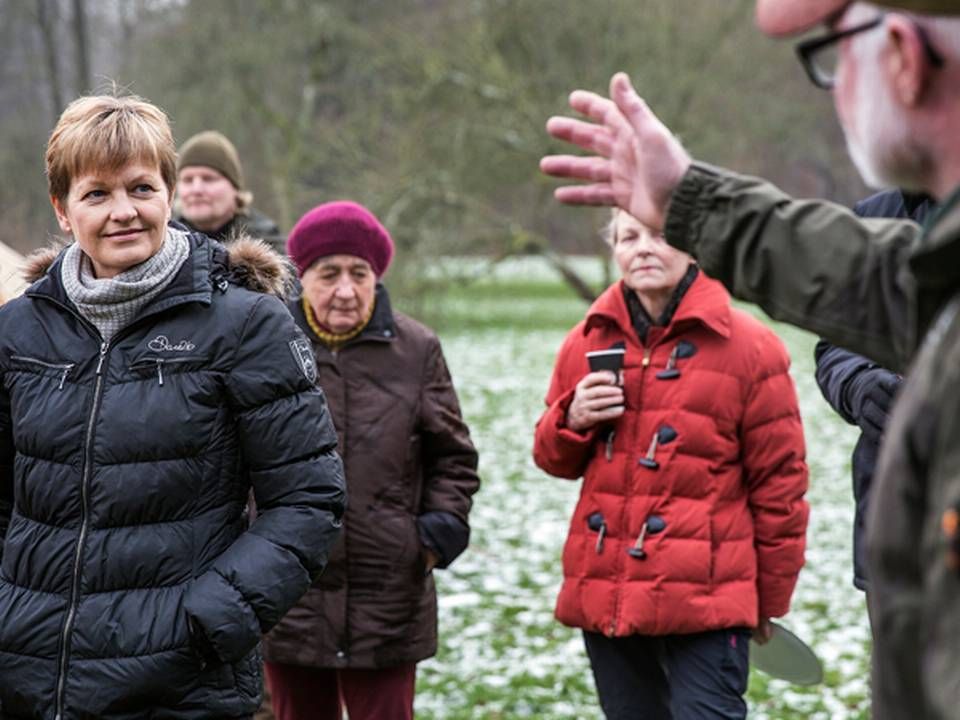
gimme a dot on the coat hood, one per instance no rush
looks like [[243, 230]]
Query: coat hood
[[252, 264]]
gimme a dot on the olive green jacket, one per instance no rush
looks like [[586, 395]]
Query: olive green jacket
[[881, 288]]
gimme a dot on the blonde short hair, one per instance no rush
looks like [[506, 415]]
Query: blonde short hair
[[609, 231], [106, 132]]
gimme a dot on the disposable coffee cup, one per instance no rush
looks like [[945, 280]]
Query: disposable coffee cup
[[611, 359]]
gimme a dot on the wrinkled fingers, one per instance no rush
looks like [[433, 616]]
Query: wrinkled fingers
[[591, 137], [607, 414], [600, 194], [601, 397], [593, 169]]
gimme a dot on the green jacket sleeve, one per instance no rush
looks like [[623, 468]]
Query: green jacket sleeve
[[810, 263]]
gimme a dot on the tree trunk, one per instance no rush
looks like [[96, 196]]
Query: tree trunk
[[46, 18], [82, 46]]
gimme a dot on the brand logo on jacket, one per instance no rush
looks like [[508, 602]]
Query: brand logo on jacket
[[303, 354], [162, 344]]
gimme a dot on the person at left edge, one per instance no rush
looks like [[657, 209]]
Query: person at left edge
[[143, 391]]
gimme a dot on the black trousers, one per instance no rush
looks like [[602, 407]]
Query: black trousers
[[701, 676]]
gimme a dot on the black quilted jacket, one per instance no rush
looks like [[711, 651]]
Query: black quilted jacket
[[130, 584]]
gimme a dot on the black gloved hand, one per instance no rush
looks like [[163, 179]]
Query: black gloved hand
[[869, 397]]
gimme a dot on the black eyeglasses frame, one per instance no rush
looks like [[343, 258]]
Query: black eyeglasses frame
[[807, 49]]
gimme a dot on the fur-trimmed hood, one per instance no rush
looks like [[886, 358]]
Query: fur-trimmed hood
[[252, 264]]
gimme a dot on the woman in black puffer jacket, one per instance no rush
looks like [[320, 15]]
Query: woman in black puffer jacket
[[144, 389]]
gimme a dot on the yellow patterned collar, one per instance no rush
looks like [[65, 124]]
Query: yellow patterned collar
[[333, 341]]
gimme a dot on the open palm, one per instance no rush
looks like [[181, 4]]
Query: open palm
[[636, 164]]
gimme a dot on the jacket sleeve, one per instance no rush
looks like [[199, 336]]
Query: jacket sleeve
[[776, 476], [449, 463], [836, 367], [6, 465], [289, 451], [809, 263], [557, 449]]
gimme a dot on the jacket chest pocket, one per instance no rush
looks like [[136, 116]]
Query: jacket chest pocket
[[59, 371], [162, 369]]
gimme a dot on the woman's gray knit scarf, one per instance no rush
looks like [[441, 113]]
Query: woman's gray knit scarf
[[112, 303]]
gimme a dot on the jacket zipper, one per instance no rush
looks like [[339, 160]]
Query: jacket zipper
[[644, 364], [67, 632], [64, 368], [159, 363], [75, 588]]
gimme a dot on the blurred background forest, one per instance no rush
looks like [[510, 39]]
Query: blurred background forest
[[431, 112]]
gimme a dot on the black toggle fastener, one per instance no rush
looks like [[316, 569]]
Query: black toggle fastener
[[685, 349]]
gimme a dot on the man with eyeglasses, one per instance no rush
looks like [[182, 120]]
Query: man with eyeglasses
[[882, 288]]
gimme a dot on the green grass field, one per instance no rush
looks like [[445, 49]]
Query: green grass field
[[502, 655]]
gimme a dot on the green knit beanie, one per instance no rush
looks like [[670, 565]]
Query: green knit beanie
[[212, 149]]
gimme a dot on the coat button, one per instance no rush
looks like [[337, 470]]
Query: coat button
[[341, 654]]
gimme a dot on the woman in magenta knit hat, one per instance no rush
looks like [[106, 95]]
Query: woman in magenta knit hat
[[357, 635]]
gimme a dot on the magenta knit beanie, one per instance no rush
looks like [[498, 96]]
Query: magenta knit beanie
[[341, 227]]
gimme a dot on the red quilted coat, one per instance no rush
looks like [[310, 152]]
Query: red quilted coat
[[691, 516]]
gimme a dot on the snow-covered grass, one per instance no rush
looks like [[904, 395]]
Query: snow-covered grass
[[502, 655]]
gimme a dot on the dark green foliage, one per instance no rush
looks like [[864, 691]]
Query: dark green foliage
[[432, 112]]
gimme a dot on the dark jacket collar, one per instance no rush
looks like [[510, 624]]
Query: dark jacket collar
[[935, 261], [705, 303], [210, 267], [381, 328], [206, 266], [642, 322], [382, 325], [918, 205], [252, 222]]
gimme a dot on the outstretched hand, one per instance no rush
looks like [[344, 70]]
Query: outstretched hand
[[636, 164]]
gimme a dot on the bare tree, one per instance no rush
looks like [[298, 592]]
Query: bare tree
[[81, 46], [46, 18]]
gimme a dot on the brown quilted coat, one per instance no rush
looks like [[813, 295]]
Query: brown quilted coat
[[411, 472]]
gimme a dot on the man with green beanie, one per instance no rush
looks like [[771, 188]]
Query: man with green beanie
[[882, 288], [212, 195]]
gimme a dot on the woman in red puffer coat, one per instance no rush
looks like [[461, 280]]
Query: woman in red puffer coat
[[690, 529]]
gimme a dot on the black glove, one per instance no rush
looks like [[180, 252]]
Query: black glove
[[869, 397]]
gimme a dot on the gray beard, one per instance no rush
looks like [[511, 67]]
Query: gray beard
[[885, 151]]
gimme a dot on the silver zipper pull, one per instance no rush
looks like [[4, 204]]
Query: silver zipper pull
[[600, 536], [609, 451], [63, 378], [103, 354], [160, 370]]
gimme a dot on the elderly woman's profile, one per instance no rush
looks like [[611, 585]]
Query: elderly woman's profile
[[149, 377]]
